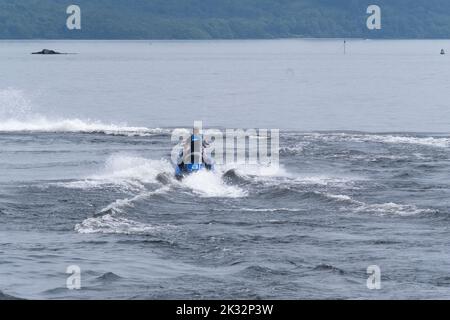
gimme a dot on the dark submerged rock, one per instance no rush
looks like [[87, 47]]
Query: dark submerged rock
[[47, 51]]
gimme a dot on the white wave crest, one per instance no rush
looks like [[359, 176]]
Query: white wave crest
[[295, 149], [125, 171], [109, 224], [211, 185], [132, 173], [17, 114], [325, 180], [257, 171], [119, 205], [341, 197], [443, 142], [382, 209], [393, 209], [43, 124], [270, 210]]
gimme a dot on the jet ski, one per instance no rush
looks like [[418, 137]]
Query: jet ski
[[191, 160], [186, 169]]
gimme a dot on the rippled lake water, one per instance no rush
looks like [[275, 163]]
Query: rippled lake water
[[86, 178]]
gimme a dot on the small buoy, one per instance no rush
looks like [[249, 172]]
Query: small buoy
[[442, 51]]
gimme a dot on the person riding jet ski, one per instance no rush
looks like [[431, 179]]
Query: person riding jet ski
[[193, 157]]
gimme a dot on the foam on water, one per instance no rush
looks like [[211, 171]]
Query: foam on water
[[135, 173], [257, 173], [110, 224], [339, 197], [263, 171], [443, 142], [119, 205], [43, 124], [325, 180], [394, 209], [17, 115], [270, 209], [294, 149], [126, 171], [381, 209], [209, 184], [426, 141], [132, 173], [122, 166]]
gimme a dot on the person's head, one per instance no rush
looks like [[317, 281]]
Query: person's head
[[197, 128], [196, 131]]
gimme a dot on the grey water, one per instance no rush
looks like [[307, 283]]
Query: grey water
[[86, 178]]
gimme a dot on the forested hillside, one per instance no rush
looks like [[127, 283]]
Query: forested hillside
[[223, 19]]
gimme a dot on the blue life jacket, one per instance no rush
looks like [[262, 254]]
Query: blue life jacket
[[196, 157]]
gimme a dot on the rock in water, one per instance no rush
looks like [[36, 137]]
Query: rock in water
[[47, 51]]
